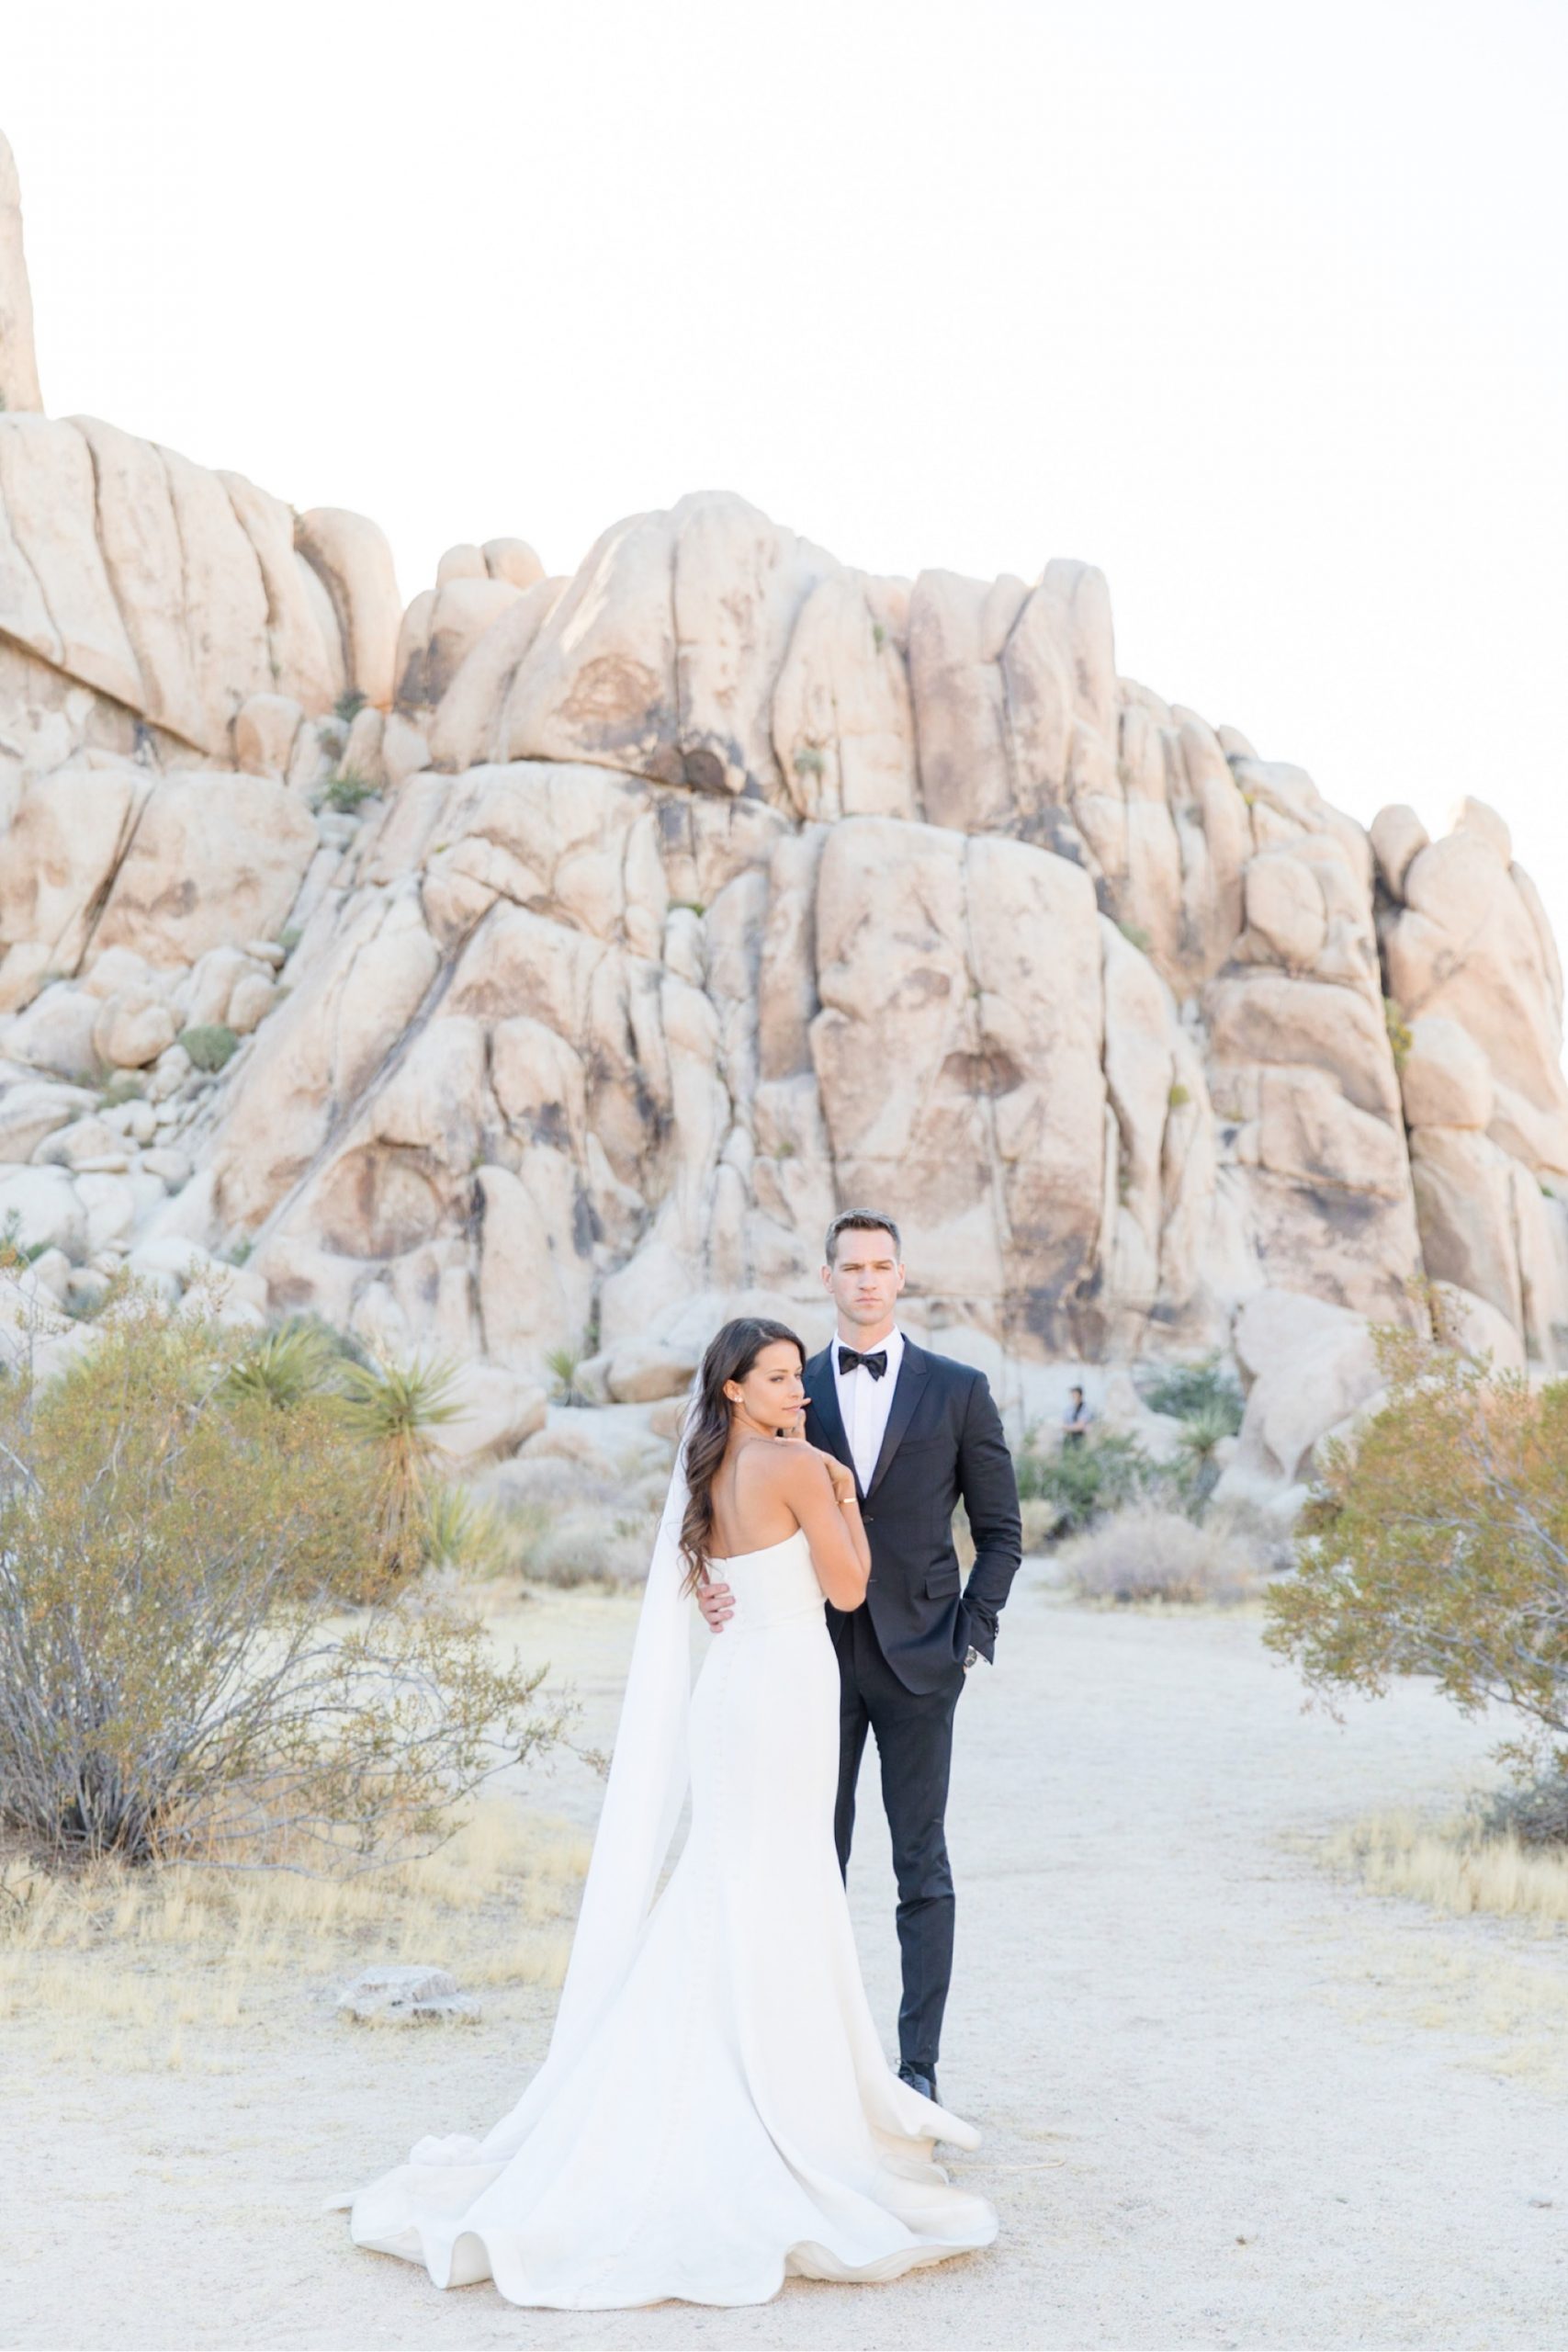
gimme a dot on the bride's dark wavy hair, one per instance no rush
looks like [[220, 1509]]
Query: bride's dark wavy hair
[[731, 1352]]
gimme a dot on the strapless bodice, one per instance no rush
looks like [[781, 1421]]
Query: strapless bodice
[[770, 1586]]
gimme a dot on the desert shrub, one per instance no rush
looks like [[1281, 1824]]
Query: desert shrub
[[1437, 1542], [172, 1683], [591, 1543], [1535, 1811], [1081, 1482], [571, 1522], [1150, 1553], [1203, 1392], [210, 1043], [348, 706]]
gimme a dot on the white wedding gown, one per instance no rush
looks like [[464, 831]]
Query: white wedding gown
[[731, 2120]]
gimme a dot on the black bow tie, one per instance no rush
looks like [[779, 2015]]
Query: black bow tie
[[875, 1364]]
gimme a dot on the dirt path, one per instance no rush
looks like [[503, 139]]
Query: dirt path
[[1227, 2100]]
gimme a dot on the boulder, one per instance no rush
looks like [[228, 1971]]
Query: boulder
[[512, 560], [33, 1110], [351, 557], [56, 1032], [47, 1209], [1464, 1206], [18, 365], [661, 657], [1475, 1327], [251, 999], [134, 1027], [497, 1411], [82, 1145], [639, 1372], [1397, 836], [264, 729], [1445, 1078], [67, 835], [1308, 1364], [405, 1996], [215, 859]]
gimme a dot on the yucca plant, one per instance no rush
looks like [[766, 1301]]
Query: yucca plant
[[463, 1532], [394, 1408], [284, 1366], [563, 1365], [1203, 1431]]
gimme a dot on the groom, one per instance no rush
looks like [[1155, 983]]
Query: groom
[[921, 1433]]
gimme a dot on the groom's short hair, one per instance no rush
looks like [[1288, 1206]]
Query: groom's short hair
[[860, 1221]]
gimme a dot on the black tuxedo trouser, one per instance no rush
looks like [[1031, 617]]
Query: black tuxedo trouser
[[914, 1746]]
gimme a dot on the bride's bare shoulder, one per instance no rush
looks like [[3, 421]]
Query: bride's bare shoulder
[[776, 1464]]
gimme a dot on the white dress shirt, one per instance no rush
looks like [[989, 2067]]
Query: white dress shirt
[[864, 1402]]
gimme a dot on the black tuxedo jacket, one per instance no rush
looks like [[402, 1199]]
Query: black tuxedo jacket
[[944, 1444]]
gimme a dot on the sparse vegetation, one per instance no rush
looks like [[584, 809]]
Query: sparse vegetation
[[1436, 1543], [348, 706], [134, 1963], [809, 760], [1399, 1037], [1179, 1097], [1135, 936], [175, 1678], [345, 790], [14, 1251], [210, 1043], [563, 1365]]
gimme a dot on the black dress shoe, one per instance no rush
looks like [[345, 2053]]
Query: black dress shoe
[[924, 2084]]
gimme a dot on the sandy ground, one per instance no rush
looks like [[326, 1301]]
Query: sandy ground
[[1229, 2098]]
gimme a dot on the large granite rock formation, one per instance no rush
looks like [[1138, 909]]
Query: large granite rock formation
[[588, 941]]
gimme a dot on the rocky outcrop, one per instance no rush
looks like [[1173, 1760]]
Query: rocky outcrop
[[553, 990], [18, 365]]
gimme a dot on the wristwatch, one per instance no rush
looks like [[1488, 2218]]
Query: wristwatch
[[970, 1656]]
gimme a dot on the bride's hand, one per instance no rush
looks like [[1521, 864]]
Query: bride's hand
[[843, 1477]]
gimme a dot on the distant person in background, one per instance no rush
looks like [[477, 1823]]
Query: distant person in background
[[1075, 1420]]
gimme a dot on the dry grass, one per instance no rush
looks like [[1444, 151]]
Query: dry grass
[[121, 1961], [1145, 1553], [1454, 1867]]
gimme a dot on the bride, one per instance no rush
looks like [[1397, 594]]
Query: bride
[[715, 2113]]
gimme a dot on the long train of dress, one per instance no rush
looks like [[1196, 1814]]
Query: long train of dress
[[733, 2121]]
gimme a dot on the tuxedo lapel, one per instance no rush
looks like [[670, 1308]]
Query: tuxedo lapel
[[906, 1397], [822, 1394]]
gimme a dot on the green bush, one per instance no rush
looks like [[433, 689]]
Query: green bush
[[1201, 1392], [210, 1045], [1086, 1477], [344, 791], [1436, 1543]]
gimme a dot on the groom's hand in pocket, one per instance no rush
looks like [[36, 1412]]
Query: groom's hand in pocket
[[718, 1605]]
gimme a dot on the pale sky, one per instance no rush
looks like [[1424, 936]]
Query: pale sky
[[1261, 307]]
